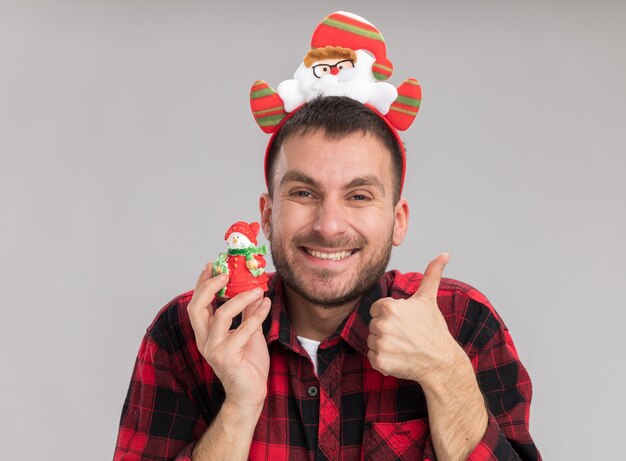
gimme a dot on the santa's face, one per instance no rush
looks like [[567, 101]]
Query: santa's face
[[238, 240], [337, 77], [331, 67], [331, 222]]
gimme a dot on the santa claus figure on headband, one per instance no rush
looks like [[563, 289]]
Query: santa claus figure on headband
[[337, 71], [348, 57]]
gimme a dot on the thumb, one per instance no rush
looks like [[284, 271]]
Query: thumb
[[432, 277]]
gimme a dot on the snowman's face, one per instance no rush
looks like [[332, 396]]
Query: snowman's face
[[238, 240]]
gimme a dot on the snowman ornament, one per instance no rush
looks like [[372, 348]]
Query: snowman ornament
[[243, 261]]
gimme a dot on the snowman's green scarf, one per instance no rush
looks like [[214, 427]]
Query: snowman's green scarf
[[248, 252]]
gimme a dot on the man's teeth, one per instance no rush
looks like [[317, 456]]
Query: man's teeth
[[334, 256]]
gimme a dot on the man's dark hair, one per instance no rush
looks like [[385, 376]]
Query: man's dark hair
[[338, 116]]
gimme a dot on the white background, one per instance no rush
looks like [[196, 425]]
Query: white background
[[127, 148]]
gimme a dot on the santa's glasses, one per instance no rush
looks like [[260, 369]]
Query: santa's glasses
[[319, 70]]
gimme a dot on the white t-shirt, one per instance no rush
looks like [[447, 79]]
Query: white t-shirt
[[310, 346]]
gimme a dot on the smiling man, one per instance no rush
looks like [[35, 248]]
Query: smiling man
[[339, 360]]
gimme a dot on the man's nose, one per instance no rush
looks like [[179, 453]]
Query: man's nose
[[331, 220], [334, 71]]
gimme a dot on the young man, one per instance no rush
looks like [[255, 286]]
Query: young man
[[340, 359]]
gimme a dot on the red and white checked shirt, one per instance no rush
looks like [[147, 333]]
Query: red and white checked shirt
[[348, 412]]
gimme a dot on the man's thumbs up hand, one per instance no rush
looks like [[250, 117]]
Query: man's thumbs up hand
[[409, 338]]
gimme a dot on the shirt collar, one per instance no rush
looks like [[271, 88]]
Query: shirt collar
[[353, 330]]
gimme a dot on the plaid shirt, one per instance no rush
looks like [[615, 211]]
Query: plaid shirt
[[347, 412]]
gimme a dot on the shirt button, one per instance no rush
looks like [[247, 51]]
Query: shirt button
[[312, 391]]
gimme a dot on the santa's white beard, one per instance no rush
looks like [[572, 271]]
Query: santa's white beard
[[357, 83], [349, 82]]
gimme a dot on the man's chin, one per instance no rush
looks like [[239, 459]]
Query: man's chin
[[326, 285], [327, 298], [326, 290]]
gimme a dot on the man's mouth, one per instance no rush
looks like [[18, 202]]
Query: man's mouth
[[333, 256], [327, 251]]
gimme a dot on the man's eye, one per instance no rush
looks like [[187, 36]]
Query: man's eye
[[359, 197], [302, 194]]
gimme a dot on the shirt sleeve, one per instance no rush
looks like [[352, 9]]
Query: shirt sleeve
[[505, 385], [159, 420]]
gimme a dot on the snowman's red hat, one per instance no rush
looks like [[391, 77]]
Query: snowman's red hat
[[250, 230]]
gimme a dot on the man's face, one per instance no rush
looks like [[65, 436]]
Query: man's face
[[331, 220]]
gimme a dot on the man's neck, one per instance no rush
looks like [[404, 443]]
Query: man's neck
[[314, 321]]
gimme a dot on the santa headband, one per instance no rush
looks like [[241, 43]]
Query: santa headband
[[348, 57]]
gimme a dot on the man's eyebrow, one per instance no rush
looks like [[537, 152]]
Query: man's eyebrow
[[298, 176], [368, 180], [360, 181]]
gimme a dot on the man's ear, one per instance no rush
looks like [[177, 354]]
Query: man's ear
[[265, 207], [401, 221]]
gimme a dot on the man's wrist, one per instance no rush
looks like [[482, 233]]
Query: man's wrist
[[230, 434], [453, 370], [241, 412]]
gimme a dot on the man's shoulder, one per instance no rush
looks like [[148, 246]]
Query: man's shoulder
[[169, 345], [171, 323], [405, 284]]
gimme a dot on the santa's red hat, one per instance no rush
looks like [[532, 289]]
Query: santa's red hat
[[352, 31], [250, 230]]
